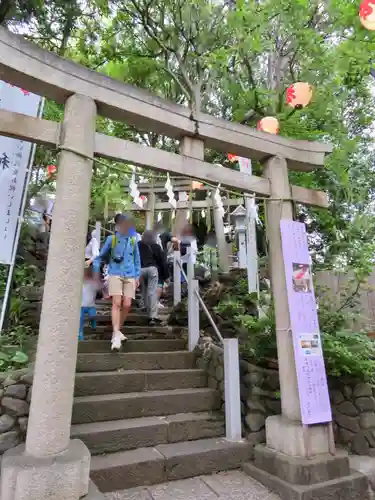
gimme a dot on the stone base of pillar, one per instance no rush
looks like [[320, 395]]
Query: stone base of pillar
[[287, 436], [323, 477], [57, 477]]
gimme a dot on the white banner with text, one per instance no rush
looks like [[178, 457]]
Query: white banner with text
[[14, 162]]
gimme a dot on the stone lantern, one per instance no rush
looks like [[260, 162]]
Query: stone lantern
[[239, 219]]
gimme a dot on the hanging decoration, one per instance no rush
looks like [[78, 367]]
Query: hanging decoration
[[253, 211], [168, 186], [190, 206], [367, 14], [203, 213], [51, 170], [188, 214], [160, 217], [134, 191], [299, 95], [219, 202], [173, 214], [269, 124]]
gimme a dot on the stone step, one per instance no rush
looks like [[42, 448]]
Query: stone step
[[96, 383], [166, 462], [149, 345], [132, 318], [351, 487], [121, 435], [137, 310], [104, 362], [107, 407], [148, 331]]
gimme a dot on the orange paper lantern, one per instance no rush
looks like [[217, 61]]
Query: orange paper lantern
[[367, 14], [269, 124], [299, 95]]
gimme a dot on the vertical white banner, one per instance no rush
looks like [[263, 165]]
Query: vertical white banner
[[14, 160]]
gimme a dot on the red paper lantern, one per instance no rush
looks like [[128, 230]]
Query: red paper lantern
[[232, 158], [367, 14], [269, 124], [51, 169], [299, 95]]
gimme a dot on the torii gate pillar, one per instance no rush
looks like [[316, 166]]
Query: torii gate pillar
[[51, 465], [285, 433]]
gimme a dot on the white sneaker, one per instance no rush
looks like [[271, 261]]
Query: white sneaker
[[117, 339]]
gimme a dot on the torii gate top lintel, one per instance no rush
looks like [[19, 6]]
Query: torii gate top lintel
[[26, 65]]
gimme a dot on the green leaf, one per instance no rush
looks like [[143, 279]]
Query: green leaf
[[20, 357]]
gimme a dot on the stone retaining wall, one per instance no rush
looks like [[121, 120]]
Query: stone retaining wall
[[353, 403], [15, 397]]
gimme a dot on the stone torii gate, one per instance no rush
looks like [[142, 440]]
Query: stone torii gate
[[50, 465]]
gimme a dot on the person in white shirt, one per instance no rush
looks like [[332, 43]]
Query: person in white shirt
[[92, 249], [188, 239]]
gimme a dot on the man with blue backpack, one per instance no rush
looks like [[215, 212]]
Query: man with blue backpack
[[121, 253]]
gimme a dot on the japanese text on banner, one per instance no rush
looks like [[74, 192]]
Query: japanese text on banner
[[14, 159]]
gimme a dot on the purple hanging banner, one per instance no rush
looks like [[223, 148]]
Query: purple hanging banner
[[311, 374]]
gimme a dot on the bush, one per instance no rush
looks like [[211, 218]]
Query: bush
[[346, 354], [349, 354], [13, 346]]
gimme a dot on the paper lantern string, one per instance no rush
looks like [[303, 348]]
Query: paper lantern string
[[168, 186]]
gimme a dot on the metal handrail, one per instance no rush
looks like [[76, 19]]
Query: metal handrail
[[203, 305]]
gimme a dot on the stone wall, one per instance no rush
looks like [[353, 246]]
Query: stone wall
[[15, 397], [353, 402]]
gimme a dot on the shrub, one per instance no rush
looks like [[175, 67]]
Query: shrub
[[345, 353], [13, 347]]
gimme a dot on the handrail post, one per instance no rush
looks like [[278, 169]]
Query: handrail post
[[176, 277], [193, 304], [233, 426], [193, 314], [190, 265]]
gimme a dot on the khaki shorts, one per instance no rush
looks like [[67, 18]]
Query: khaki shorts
[[124, 287]]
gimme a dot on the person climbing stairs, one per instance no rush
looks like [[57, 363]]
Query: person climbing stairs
[[146, 413]]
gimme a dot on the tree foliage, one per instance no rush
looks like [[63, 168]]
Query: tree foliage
[[235, 59]]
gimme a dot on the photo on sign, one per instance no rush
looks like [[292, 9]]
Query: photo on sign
[[310, 344], [301, 278]]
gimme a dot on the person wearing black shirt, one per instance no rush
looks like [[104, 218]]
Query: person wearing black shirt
[[153, 268]]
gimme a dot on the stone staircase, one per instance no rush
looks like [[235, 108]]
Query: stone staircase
[[146, 413]]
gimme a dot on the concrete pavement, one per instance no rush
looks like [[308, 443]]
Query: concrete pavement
[[232, 485]]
